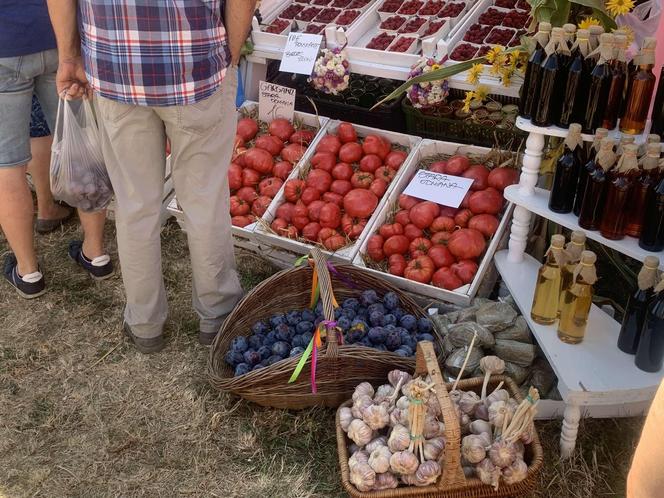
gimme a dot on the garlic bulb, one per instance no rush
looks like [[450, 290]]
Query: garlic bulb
[[358, 457], [376, 443], [379, 460], [499, 395], [482, 412], [433, 407], [488, 473], [403, 403], [473, 448], [464, 422], [383, 393], [409, 479], [398, 375], [427, 473], [359, 432], [433, 448], [480, 426], [345, 418], [433, 428], [387, 480], [502, 454], [363, 389], [516, 472], [468, 401], [360, 404], [362, 476], [527, 435], [398, 417], [404, 462], [399, 439], [405, 390], [500, 415], [376, 416]]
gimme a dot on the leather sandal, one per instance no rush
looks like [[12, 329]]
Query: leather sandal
[[47, 226]]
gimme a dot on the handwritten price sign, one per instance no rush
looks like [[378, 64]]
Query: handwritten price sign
[[275, 101], [300, 53], [439, 188]]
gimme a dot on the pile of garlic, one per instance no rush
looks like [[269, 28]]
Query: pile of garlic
[[380, 424]]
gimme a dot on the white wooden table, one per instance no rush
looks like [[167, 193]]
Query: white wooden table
[[595, 378]]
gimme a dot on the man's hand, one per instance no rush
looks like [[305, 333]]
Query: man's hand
[[71, 80]]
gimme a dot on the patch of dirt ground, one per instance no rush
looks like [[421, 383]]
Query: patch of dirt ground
[[82, 414]]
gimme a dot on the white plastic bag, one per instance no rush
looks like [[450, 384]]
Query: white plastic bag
[[78, 173], [643, 20]]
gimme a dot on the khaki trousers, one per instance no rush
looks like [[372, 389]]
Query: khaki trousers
[[134, 143]]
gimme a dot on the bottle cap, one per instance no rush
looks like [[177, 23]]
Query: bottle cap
[[588, 258], [574, 139], [569, 27], [607, 143], [582, 34], [653, 149], [653, 138], [627, 139], [575, 246], [545, 26], [578, 237], [647, 55], [647, 278], [558, 241], [651, 262], [586, 268], [601, 133], [596, 30]]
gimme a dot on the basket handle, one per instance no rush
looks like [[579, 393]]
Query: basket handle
[[325, 286], [452, 473]]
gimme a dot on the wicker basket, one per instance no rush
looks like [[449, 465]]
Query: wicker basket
[[452, 483], [340, 367]]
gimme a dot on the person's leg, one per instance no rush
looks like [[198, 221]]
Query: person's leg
[[133, 143], [201, 145]]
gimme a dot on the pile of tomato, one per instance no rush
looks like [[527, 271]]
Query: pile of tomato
[[332, 203], [439, 245], [261, 163]]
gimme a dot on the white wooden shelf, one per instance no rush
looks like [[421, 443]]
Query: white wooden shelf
[[538, 203], [593, 372]]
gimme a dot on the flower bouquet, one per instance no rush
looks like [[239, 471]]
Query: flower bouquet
[[426, 94], [331, 73]]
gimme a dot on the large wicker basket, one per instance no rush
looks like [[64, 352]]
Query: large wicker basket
[[340, 367], [452, 483]]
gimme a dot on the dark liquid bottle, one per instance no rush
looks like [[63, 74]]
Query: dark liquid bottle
[[547, 107], [658, 108], [650, 353], [646, 180], [617, 86], [574, 85], [586, 170], [594, 196], [652, 233], [642, 86], [530, 87], [635, 312], [600, 84], [567, 171], [618, 192]]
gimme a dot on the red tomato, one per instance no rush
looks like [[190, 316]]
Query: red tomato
[[464, 202], [258, 159], [250, 177], [440, 255], [466, 243], [419, 247], [480, 176], [350, 152], [341, 187], [282, 169], [463, 217], [397, 264], [247, 194], [279, 225], [293, 153], [393, 229], [352, 227], [300, 222], [234, 176], [260, 205], [465, 270], [310, 231], [500, 178], [329, 143], [402, 217], [313, 210], [342, 171], [406, 201], [412, 232], [330, 215], [488, 201], [247, 128], [281, 128], [442, 224], [326, 233], [290, 232], [335, 242], [269, 143], [319, 179], [324, 160], [420, 269], [346, 133], [395, 159], [309, 195], [374, 144], [360, 203], [334, 198], [385, 173], [457, 165], [238, 206], [445, 278], [447, 211], [397, 244], [302, 137], [423, 214], [438, 167], [440, 238], [361, 180], [485, 223], [293, 189], [378, 187], [241, 221], [270, 186], [285, 211], [375, 247], [370, 163]]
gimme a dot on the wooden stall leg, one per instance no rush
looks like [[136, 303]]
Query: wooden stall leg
[[570, 429], [531, 163]]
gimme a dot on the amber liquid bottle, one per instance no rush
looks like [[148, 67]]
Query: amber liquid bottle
[[658, 108], [574, 84], [652, 233], [530, 86], [567, 171], [594, 196], [577, 300], [587, 169], [618, 83], [600, 84], [641, 86], [573, 251], [644, 183], [618, 193], [547, 107], [547, 289], [650, 353], [635, 312]]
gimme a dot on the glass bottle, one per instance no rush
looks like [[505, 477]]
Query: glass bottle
[[618, 83], [641, 89], [657, 116], [635, 312], [647, 178], [652, 138], [600, 83], [530, 87], [547, 289], [566, 176], [624, 140], [594, 195], [650, 353], [618, 193], [569, 35], [595, 33], [575, 84], [547, 107], [578, 298], [573, 251], [652, 233], [588, 168]]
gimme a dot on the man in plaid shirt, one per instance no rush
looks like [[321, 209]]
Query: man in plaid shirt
[[162, 69]]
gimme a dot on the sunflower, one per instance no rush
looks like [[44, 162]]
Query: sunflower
[[506, 76], [474, 74], [470, 96], [589, 21], [481, 93], [618, 7], [494, 54]]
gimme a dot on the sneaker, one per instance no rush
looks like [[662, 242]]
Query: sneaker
[[206, 338], [28, 286], [146, 346], [99, 268]]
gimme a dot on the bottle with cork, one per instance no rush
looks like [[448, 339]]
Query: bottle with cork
[[618, 193], [547, 288], [641, 87], [530, 86], [646, 180], [600, 83], [635, 311], [618, 83], [566, 175], [588, 168], [576, 83], [650, 352], [573, 251], [595, 33], [594, 195], [652, 232], [577, 300], [547, 107]]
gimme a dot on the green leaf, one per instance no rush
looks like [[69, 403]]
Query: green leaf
[[600, 12]]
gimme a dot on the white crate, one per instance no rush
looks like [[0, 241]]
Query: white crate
[[463, 295], [347, 253]]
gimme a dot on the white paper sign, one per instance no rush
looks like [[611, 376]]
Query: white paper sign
[[300, 53], [439, 188], [275, 101]]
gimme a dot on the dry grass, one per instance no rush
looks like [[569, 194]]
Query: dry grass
[[83, 414]]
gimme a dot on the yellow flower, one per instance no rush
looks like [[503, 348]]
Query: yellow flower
[[470, 96], [618, 7], [493, 54], [628, 32], [589, 21], [474, 74], [481, 93], [506, 76], [435, 67]]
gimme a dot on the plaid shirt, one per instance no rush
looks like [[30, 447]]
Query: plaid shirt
[[153, 52]]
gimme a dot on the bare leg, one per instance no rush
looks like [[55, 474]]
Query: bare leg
[[93, 228], [38, 167], [16, 212]]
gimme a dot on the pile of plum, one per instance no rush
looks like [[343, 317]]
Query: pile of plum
[[368, 321]]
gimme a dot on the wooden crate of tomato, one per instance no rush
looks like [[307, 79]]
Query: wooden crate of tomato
[[330, 198], [435, 250]]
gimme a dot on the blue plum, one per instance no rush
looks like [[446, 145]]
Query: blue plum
[[242, 369], [239, 344]]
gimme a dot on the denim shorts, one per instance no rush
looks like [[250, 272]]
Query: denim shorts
[[38, 125], [20, 78]]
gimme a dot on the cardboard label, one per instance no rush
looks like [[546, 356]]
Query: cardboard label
[[300, 53], [275, 101], [439, 188]]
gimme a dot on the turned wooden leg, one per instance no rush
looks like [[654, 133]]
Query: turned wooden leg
[[532, 160], [569, 431], [519, 234]]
